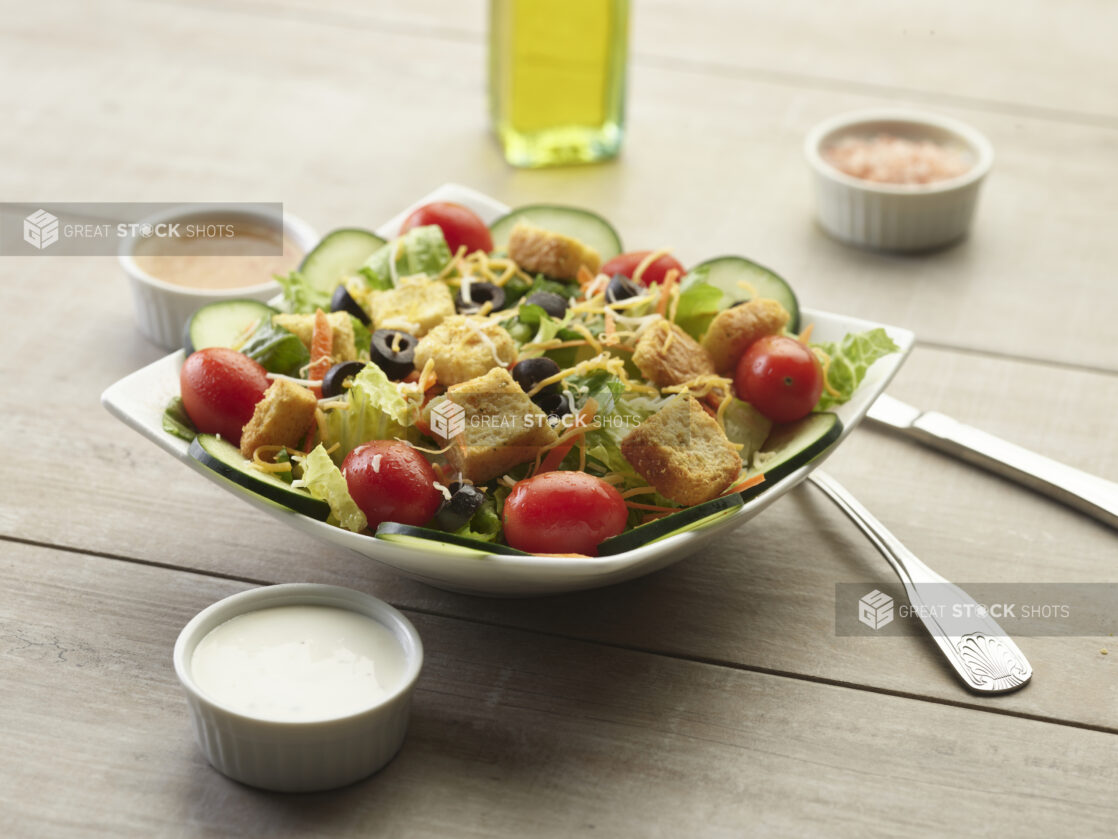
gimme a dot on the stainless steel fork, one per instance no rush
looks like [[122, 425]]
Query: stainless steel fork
[[983, 656]]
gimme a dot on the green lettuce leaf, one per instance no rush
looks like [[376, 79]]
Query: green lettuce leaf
[[325, 481], [850, 359], [699, 302], [176, 421], [422, 250], [277, 349], [484, 525], [376, 411], [747, 426], [362, 338], [301, 297]]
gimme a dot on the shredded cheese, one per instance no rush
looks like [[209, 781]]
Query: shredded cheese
[[452, 266], [263, 465], [644, 264], [446, 492], [309, 383]]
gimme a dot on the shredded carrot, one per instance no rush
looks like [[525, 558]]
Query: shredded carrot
[[746, 484], [584, 276], [826, 363], [805, 336], [666, 289], [565, 443], [611, 329], [322, 342]]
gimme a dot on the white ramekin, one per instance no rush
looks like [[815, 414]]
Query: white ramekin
[[162, 309], [897, 217], [299, 756]]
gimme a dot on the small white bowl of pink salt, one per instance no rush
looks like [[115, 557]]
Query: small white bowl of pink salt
[[897, 180]]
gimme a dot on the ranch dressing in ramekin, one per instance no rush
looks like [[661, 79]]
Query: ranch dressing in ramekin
[[298, 663]]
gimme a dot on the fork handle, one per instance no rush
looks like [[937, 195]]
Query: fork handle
[[983, 656]]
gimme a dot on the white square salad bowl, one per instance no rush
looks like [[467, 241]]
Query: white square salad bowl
[[140, 398]]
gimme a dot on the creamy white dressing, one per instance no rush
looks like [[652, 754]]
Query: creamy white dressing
[[299, 663]]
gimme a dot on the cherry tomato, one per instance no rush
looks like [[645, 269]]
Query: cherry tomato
[[391, 481], [460, 225], [626, 263], [780, 377], [220, 388], [563, 512]]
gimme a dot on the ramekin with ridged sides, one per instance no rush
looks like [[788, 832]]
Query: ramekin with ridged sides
[[162, 308], [897, 217], [305, 756]]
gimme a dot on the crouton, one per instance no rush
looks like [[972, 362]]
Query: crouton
[[464, 347], [344, 347], [682, 452], [733, 330], [282, 418], [503, 427], [666, 355], [415, 306], [543, 252]]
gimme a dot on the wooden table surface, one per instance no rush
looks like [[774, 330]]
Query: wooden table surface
[[710, 699]]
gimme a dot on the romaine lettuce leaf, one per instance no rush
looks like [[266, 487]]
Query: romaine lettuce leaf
[[376, 411], [422, 250], [177, 422], [277, 349], [484, 525], [747, 426], [850, 359], [325, 481], [699, 302], [300, 297]]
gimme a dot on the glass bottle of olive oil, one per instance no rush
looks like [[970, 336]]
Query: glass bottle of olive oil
[[557, 79]]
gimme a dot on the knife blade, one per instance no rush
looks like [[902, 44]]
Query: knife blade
[[1087, 493]]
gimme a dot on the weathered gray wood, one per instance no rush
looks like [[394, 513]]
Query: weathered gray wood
[[532, 718], [512, 734], [712, 163], [1032, 57]]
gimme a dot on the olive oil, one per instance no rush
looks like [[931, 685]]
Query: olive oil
[[557, 79]]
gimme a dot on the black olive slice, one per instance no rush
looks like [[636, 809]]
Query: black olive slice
[[343, 301], [480, 294], [393, 352], [552, 303], [553, 404], [531, 371], [336, 375], [621, 288], [459, 508]]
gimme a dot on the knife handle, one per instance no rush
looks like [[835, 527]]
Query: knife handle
[[1090, 494]]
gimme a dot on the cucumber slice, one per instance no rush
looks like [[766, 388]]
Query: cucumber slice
[[731, 273], [792, 445], [437, 540], [225, 323], [690, 518], [225, 459], [589, 228], [339, 255]]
